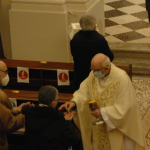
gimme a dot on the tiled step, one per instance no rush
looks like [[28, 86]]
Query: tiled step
[[130, 50], [139, 66], [137, 54]]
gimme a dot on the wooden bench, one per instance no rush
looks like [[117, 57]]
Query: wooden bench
[[43, 73], [32, 96], [40, 73]]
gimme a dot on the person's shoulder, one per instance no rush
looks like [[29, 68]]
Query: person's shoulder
[[51, 112], [3, 95], [78, 34], [121, 74], [58, 114], [98, 36], [26, 109]]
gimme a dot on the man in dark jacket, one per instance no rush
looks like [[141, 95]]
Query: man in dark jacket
[[148, 8], [84, 46], [46, 127]]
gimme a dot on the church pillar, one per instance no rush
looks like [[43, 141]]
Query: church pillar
[[5, 28], [39, 28]]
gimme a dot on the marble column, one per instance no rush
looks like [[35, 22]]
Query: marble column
[[39, 28], [5, 28]]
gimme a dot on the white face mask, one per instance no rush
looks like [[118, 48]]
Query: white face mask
[[5, 80], [98, 75]]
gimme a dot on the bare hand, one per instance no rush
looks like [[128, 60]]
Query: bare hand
[[96, 112], [62, 107], [67, 106], [69, 116], [17, 110]]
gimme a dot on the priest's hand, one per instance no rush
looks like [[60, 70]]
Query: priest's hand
[[96, 112], [67, 106]]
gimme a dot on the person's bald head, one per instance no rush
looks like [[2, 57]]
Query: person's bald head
[[3, 70], [3, 66], [100, 62]]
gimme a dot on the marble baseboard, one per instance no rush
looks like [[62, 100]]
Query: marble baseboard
[[139, 66]]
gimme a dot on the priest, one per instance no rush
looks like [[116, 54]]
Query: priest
[[112, 87]]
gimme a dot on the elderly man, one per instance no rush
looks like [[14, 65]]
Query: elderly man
[[46, 127], [148, 8], [111, 86], [10, 119], [85, 44]]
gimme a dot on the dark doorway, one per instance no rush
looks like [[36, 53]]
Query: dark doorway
[[1, 48]]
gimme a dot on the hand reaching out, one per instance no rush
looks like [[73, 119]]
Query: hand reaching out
[[67, 106], [17, 110], [69, 116]]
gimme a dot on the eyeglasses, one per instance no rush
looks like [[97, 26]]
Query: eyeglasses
[[5, 71], [97, 70]]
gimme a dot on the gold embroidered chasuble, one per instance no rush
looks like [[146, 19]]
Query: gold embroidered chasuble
[[117, 96]]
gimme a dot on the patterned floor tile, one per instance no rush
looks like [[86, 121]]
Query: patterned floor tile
[[146, 20], [109, 23], [132, 9], [127, 21], [113, 39], [128, 36], [143, 40], [145, 31], [113, 13], [106, 35], [118, 29], [124, 19], [142, 89], [120, 4], [137, 25], [141, 15], [143, 5], [137, 1], [107, 8]]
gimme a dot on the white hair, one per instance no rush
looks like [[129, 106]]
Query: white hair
[[106, 62], [87, 22]]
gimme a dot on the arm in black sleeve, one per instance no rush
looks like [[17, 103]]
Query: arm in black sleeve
[[69, 133], [107, 50], [25, 109]]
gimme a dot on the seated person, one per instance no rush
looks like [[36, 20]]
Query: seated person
[[46, 128], [84, 46], [11, 118]]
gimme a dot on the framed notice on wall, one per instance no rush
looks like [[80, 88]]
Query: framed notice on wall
[[22, 75], [63, 77]]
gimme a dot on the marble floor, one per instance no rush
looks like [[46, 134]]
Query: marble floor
[[142, 88], [126, 21]]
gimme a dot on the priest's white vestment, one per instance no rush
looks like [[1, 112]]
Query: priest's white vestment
[[117, 97]]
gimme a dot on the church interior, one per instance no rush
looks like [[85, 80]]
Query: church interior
[[126, 29]]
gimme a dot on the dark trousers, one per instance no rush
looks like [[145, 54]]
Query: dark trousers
[[149, 16]]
